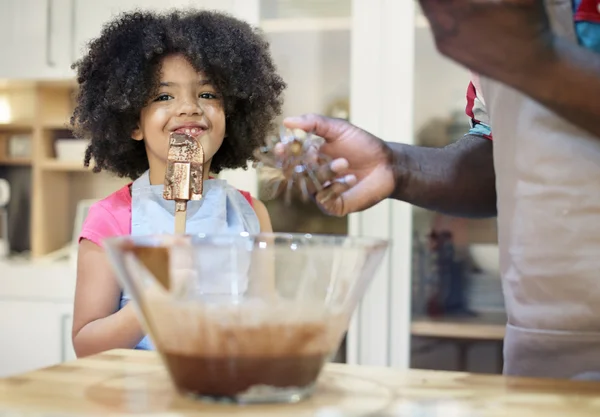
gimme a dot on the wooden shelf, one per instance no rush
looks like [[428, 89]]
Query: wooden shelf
[[66, 84], [63, 166], [487, 326], [56, 125], [15, 161], [18, 126], [306, 24]]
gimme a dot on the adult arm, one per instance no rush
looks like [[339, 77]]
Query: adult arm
[[457, 180]]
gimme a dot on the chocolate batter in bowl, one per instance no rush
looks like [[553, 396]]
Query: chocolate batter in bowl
[[246, 318]]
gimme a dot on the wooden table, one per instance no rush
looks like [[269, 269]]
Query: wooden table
[[463, 332], [123, 382]]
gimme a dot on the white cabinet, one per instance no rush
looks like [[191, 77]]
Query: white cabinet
[[35, 334], [36, 309], [30, 32], [40, 39], [381, 99], [91, 15]]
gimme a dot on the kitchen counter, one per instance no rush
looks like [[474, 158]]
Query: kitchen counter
[[134, 382]]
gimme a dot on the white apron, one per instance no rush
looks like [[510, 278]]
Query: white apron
[[222, 209], [548, 185]]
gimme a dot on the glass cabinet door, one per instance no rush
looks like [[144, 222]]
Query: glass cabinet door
[[310, 43], [351, 59], [455, 270]]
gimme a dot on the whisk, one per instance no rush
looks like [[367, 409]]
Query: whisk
[[296, 159]]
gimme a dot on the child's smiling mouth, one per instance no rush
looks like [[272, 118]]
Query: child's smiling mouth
[[192, 129]]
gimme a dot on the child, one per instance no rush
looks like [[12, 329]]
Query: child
[[146, 76]]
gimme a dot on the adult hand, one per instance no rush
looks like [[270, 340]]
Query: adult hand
[[501, 39], [362, 172]]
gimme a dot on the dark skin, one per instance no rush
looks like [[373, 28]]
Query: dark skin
[[458, 179], [526, 55]]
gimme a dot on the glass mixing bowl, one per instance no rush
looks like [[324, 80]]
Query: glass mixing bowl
[[245, 318]]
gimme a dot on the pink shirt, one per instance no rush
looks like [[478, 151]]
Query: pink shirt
[[112, 216]]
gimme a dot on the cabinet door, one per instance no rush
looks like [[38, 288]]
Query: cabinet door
[[34, 335], [90, 16], [64, 314], [29, 33]]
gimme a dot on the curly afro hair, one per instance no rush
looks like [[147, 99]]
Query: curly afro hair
[[121, 73]]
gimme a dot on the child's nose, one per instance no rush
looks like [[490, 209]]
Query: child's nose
[[190, 107]]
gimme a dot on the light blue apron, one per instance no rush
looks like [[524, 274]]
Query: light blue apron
[[223, 209]]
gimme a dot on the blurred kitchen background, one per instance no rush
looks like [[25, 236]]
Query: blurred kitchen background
[[437, 303]]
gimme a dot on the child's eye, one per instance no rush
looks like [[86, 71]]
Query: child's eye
[[163, 97], [208, 96]]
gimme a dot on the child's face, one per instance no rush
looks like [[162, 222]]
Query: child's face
[[186, 102]]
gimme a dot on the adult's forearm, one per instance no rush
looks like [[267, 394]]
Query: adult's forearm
[[567, 82], [457, 180], [120, 330]]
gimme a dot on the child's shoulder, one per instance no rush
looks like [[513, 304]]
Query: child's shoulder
[[108, 217], [119, 200], [247, 196]]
